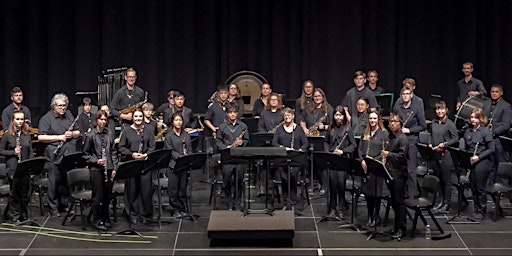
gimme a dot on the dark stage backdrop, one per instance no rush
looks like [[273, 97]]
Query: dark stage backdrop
[[51, 46]]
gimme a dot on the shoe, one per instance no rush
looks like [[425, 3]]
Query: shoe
[[322, 192], [399, 234], [477, 216], [54, 214], [369, 222], [445, 208], [177, 215], [439, 205], [108, 224], [98, 225], [374, 222], [333, 213]]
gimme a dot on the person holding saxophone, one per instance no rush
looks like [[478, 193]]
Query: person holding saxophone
[[101, 157], [16, 146], [230, 134], [271, 117]]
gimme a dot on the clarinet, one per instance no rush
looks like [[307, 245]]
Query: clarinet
[[141, 142], [184, 147], [18, 144], [341, 142], [104, 156], [293, 139], [474, 154], [69, 129]]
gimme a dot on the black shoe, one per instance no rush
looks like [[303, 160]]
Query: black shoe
[[108, 224], [399, 234], [177, 214], [322, 192], [341, 215], [98, 225], [374, 222], [54, 214], [445, 208], [333, 213], [439, 205]]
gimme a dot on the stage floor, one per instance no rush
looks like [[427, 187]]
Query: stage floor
[[184, 237]]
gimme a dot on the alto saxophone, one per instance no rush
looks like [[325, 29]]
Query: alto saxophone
[[239, 137], [313, 130], [273, 130], [162, 129], [135, 106]]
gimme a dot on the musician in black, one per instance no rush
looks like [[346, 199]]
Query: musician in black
[[127, 96], [149, 121], [16, 146], [359, 120], [304, 100], [271, 116], [444, 134], [178, 141], [394, 156], [235, 96], [135, 144], [85, 120], [372, 142], [216, 112], [233, 133], [262, 103], [499, 112], [17, 104], [57, 128], [101, 157], [111, 123], [292, 137], [179, 107], [340, 141], [480, 144]]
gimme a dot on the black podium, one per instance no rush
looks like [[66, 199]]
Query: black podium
[[26, 168], [461, 160], [129, 169], [381, 172], [156, 161], [331, 162], [294, 158], [356, 171], [187, 164]]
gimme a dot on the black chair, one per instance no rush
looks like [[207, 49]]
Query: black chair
[[429, 190], [5, 188], [501, 188], [39, 184], [117, 190], [79, 182], [216, 183]]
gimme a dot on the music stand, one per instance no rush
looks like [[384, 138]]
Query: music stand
[[26, 168], [188, 163], [261, 139], [357, 170], [380, 171], [71, 161], [294, 158], [316, 143], [129, 169], [461, 159], [331, 162], [427, 153], [157, 160]]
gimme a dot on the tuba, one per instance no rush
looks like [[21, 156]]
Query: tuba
[[313, 130]]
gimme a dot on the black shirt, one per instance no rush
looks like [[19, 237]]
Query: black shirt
[[180, 145], [53, 124], [268, 120], [444, 132], [340, 137], [216, 113], [7, 146], [93, 149], [284, 139], [133, 141], [479, 142], [229, 132], [124, 98], [396, 161], [9, 111]]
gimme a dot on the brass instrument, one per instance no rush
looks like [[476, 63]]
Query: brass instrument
[[313, 130], [18, 144], [239, 137], [162, 129], [273, 130], [135, 106]]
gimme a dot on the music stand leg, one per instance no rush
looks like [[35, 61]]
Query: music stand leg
[[129, 231], [459, 219], [372, 234], [188, 204]]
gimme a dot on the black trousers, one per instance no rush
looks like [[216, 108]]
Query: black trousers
[[58, 191], [19, 197], [101, 194], [478, 181], [443, 170], [138, 196], [294, 174], [397, 189], [177, 190], [337, 181], [230, 181]]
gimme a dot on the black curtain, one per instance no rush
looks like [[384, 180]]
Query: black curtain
[[51, 46]]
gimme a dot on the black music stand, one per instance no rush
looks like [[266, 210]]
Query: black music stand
[[129, 169], [294, 158], [331, 162], [188, 163], [316, 143], [461, 159], [377, 167], [261, 139], [157, 160], [427, 153], [357, 170], [26, 168], [71, 161]]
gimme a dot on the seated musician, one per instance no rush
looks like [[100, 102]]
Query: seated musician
[[291, 136], [262, 103], [271, 116], [233, 133], [135, 144], [16, 146], [479, 142], [178, 141], [340, 141], [444, 134], [235, 96], [101, 157]]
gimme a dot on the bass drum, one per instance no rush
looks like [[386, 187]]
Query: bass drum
[[464, 112], [250, 84]]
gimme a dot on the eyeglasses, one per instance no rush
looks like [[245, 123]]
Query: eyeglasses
[[62, 105], [406, 93]]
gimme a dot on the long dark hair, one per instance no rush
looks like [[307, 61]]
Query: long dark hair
[[345, 123]]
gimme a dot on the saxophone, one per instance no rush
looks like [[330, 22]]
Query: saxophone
[[239, 137], [18, 144], [273, 130], [162, 129], [313, 130], [135, 106]]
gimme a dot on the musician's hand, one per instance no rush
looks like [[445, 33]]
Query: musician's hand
[[68, 134], [473, 159], [338, 152], [321, 126], [458, 105], [384, 153], [473, 93], [128, 116], [113, 174], [101, 161], [17, 150], [306, 131], [406, 130], [187, 129], [62, 138], [365, 167], [76, 134], [239, 142]]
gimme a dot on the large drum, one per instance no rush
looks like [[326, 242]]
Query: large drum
[[464, 112], [250, 84]]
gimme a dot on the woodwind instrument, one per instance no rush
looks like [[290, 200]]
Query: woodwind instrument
[[239, 137], [313, 130], [135, 106], [18, 144], [273, 130], [69, 129], [104, 156], [141, 141], [408, 117], [468, 173], [342, 139], [184, 146], [162, 129]]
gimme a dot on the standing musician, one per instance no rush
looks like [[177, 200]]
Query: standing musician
[[111, 124], [469, 85], [372, 143], [499, 112], [233, 133], [178, 141], [358, 91], [262, 103], [167, 105], [16, 105], [16, 146], [394, 156], [135, 144], [271, 117], [179, 107], [359, 121], [101, 157], [57, 130], [478, 142], [340, 141], [315, 122], [127, 96], [235, 96], [305, 98], [292, 137], [413, 116], [85, 120], [216, 113], [149, 121], [444, 133]]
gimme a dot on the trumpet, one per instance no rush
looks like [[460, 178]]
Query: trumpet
[[239, 137], [273, 130], [313, 130]]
